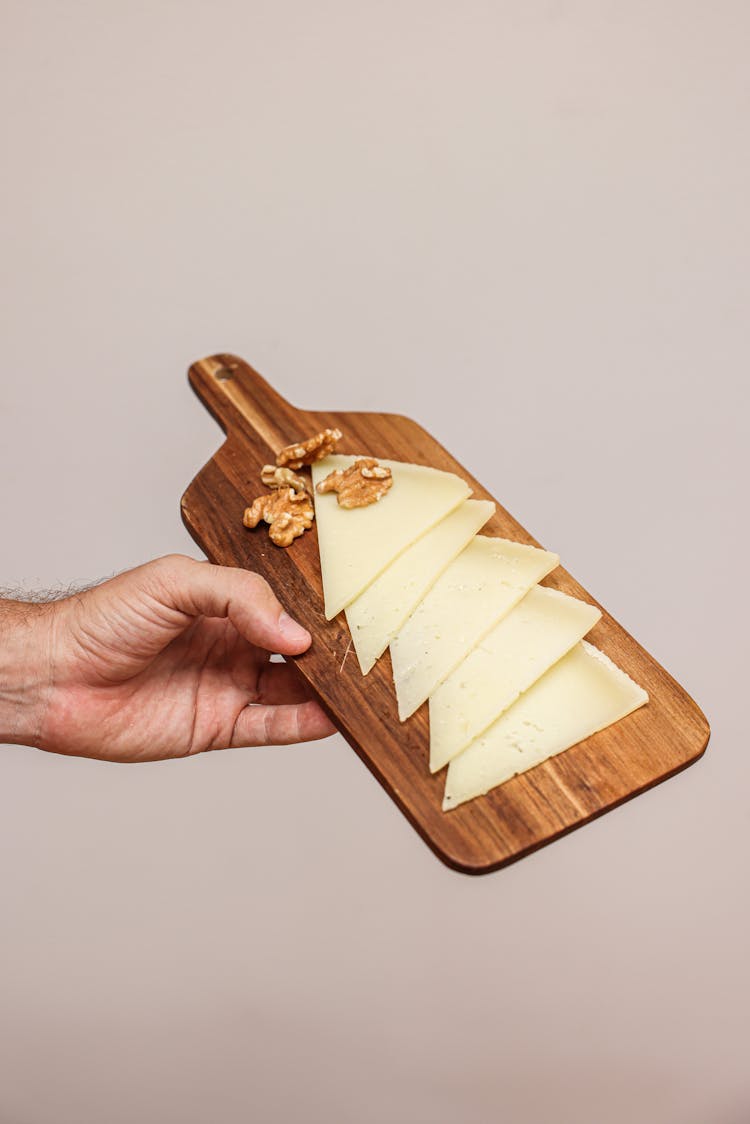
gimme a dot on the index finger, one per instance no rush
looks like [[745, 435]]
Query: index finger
[[245, 598]]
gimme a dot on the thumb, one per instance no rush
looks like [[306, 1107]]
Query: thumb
[[201, 589]]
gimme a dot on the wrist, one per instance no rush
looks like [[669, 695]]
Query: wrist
[[25, 670]]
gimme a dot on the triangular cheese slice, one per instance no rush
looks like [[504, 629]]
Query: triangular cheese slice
[[538, 632], [377, 614], [356, 544], [476, 590], [583, 693]]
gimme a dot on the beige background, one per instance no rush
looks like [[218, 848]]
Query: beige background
[[525, 224]]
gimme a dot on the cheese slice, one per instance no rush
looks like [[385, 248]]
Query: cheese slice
[[538, 632], [477, 589], [583, 693], [378, 613], [357, 544]]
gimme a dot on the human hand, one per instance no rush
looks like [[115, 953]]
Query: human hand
[[168, 660]]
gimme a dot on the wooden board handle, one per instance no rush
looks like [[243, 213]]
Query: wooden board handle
[[241, 400]]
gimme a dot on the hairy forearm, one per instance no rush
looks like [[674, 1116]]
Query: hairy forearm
[[25, 669]]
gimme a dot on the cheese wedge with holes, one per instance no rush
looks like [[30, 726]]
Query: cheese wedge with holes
[[377, 614], [473, 593], [356, 544], [583, 693], [538, 632]]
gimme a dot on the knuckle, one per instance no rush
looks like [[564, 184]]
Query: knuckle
[[171, 570], [256, 586], [170, 574], [170, 565]]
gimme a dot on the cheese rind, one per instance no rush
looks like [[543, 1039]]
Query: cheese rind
[[356, 544], [530, 639], [583, 693], [377, 614], [473, 593]]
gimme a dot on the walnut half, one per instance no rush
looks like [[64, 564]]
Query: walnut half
[[307, 452], [288, 513], [274, 477], [361, 484]]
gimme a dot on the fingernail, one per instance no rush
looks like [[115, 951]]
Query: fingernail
[[293, 631]]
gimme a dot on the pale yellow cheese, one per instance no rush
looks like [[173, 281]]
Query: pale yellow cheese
[[473, 593], [378, 613], [533, 636], [357, 544], [584, 692]]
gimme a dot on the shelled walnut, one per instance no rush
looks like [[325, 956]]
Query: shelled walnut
[[274, 477], [361, 484], [307, 452], [288, 513]]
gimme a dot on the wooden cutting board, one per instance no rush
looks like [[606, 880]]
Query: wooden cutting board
[[526, 812]]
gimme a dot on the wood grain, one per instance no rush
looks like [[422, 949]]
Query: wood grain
[[526, 812]]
